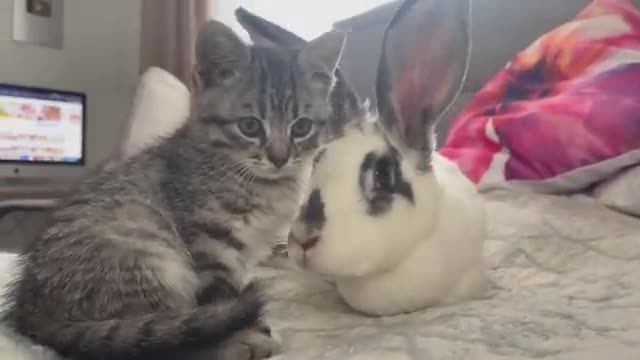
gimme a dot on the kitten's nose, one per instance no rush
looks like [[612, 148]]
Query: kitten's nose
[[278, 155], [309, 243], [278, 161]]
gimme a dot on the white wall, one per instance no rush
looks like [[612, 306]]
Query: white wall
[[100, 56]]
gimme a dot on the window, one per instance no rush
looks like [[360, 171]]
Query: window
[[306, 18]]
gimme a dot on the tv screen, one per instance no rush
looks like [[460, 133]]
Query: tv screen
[[41, 125]]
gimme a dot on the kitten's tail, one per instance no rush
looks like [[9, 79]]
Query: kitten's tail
[[156, 334]]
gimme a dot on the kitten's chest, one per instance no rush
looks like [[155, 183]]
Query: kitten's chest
[[271, 217], [261, 217]]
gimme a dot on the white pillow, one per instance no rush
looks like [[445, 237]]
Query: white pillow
[[621, 192], [161, 104]]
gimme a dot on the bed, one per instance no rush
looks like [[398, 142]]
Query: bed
[[565, 275], [565, 284]]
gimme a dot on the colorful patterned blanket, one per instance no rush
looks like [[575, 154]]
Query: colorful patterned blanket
[[564, 113]]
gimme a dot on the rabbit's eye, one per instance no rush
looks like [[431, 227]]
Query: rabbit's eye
[[383, 177], [381, 181]]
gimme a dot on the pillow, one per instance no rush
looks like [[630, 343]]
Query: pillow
[[621, 192], [161, 104], [564, 113]]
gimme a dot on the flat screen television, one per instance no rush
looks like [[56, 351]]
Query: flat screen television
[[42, 132]]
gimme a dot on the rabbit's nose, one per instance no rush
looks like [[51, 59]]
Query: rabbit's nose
[[309, 243]]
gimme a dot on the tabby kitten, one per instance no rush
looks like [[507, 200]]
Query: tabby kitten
[[149, 259]]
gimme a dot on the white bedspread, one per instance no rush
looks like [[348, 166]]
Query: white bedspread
[[565, 285]]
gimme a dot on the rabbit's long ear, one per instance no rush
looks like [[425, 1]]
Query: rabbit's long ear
[[425, 56], [265, 33]]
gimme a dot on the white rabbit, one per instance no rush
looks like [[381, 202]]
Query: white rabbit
[[398, 227]]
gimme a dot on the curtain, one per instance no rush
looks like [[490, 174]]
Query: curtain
[[169, 30]]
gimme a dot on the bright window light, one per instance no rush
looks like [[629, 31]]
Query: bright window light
[[306, 18]]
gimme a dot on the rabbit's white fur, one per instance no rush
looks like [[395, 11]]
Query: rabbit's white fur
[[412, 257], [397, 226]]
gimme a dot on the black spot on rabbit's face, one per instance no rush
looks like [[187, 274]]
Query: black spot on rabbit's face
[[313, 211], [381, 180], [306, 230]]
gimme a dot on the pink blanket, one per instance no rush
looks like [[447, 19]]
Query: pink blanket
[[562, 114]]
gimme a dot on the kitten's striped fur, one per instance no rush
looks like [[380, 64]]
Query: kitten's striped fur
[[149, 258]]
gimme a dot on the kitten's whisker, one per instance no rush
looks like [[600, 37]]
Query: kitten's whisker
[[226, 170], [231, 172], [246, 177], [230, 178], [252, 177], [240, 175]]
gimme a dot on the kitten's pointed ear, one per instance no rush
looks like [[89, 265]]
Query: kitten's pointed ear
[[424, 60], [220, 55], [266, 33], [321, 55]]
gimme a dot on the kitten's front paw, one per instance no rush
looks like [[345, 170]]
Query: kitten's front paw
[[252, 344]]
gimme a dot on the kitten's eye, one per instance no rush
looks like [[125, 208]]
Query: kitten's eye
[[250, 127], [224, 74], [383, 179], [302, 127]]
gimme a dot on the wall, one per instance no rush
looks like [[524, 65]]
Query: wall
[[100, 56]]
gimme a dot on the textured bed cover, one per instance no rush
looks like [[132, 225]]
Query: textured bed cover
[[565, 277]]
